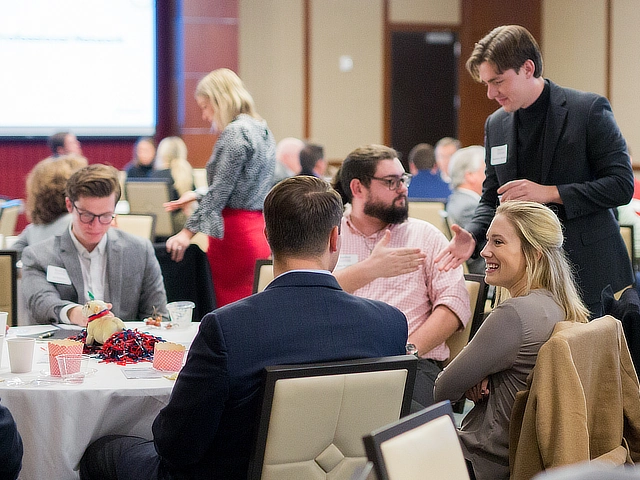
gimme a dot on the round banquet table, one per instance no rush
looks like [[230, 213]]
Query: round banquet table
[[58, 421]]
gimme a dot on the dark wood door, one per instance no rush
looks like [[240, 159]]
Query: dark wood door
[[479, 17]]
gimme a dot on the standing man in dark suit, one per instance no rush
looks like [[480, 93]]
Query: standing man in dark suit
[[553, 145], [208, 428]]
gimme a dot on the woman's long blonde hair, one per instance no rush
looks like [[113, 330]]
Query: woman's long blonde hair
[[172, 154], [228, 96], [547, 266]]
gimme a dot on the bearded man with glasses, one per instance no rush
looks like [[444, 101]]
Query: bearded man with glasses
[[389, 257], [119, 268]]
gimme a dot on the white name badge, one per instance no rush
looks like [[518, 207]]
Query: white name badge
[[499, 155], [346, 260], [58, 275]]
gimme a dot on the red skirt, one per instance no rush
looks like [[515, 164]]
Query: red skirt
[[233, 257]]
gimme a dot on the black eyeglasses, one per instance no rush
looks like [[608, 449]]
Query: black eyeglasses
[[87, 217], [393, 183]]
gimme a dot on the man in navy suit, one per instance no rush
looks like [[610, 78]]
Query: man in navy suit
[[207, 430], [553, 145]]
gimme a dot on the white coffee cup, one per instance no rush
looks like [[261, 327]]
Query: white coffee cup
[[3, 323], [21, 354]]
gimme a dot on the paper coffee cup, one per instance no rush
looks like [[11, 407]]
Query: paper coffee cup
[[21, 354], [168, 356], [59, 347]]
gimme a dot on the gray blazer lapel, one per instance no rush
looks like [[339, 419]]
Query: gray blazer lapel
[[114, 267], [69, 257], [556, 116]]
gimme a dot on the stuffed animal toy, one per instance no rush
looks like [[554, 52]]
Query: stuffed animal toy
[[102, 323]]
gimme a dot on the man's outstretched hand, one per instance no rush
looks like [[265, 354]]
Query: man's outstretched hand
[[458, 251]]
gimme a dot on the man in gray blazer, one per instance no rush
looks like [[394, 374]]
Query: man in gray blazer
[[553, 145], [119, 268]]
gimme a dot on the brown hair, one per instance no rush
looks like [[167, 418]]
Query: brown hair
[[96, 181], [360, 164], [299, 214], [506, 47], [46, 185], [423, 156]]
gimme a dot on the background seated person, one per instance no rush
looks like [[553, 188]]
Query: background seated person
[[207, 430], [426, 181], [312, 160], [45, 203], [466, 169], [142, 163], [389, 257], [524, 256], [172, 165], [64, 143], [115, 266]]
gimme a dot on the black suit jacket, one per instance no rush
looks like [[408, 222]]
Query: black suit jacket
[[585, 156], [208, 428]]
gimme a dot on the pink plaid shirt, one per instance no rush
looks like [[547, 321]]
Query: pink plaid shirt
[[415, 294]]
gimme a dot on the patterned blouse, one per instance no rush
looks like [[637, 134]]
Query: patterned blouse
[[239, 174]]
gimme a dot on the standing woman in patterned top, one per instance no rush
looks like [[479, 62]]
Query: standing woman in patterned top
[[239, 176]]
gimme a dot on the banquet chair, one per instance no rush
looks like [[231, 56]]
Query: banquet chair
[[313, 416], [9, 285], [262, 275], [424, 443], [140, 225], [189, 279], [432, 212], [477, 288], [628, 234], [147, 197], [9, 212], [581, 402]]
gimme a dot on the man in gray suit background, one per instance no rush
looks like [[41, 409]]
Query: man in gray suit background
[[114, 266]]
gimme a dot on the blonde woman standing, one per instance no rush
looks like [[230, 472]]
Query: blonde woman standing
[[239, 176]]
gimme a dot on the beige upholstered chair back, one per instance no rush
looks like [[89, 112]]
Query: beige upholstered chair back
[[262, 275], [312, 423], [140, 225], [432, 212], [8, 285], [147, 197], [477, 289], [422, 445], [9, 212]]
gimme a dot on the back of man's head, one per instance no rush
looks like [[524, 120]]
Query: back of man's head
[[56, 141], [299, 214], [288, 153], [309, 155], [361, 164], [422, 156], [95, 180], [466, 160]]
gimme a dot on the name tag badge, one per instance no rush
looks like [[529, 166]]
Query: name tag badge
[[346, 260], [499, 155], [57, 275]]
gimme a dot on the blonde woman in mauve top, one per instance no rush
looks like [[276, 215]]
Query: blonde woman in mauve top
[[239, 175], [524, 257]]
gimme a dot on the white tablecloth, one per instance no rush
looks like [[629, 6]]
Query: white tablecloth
[[57, 422]]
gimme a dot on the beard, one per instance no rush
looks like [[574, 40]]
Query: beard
[[391, 214]]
